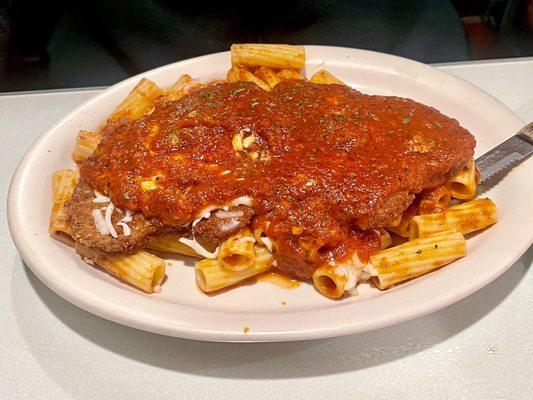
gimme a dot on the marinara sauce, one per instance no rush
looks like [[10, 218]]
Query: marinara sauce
[[324, 164]]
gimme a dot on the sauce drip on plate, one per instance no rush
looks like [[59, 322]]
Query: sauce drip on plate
[[280, 280]]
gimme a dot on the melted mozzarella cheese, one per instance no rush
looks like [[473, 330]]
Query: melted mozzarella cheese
[[197, 247], [100, 198], [229, 225], [353, 271], [267, 242], [128, 217], [241, 201], [206, 212], [99, 221], [228, 214], [126, 230], [109, 224]]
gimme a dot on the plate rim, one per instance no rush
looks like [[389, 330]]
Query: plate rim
[[126, 317]]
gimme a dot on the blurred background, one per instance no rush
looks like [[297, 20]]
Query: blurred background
[[65, 44]]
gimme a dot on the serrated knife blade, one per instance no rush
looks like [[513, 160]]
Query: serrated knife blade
[[506, 154]]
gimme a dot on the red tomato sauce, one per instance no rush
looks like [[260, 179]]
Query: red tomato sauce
[[326, 163]]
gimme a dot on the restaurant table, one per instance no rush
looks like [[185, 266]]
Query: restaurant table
[[478, 348]]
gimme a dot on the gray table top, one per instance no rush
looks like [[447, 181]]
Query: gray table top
[[480, 347]]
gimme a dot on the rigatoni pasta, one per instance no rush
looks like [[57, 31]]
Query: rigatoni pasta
[[416, 257], [177, 90], [467, 217], [402, 229], [267, 75], [304, 219], [63, 184], [435, 200], [238, 251], [325, 78], [462, 185], [143, 270], [277, 56], [237, 74], [333, 280], [329, 283], [404, 225], [290, 75], [139, 101], [86, 144], [211, 275]]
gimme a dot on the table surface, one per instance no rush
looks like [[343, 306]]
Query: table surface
[[480, 347]]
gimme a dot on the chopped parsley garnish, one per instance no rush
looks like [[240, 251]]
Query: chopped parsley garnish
[[237, 90], [206, 95], [405, 121], [254, 102]]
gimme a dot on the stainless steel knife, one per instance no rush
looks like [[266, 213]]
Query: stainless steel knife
[[506, 154]]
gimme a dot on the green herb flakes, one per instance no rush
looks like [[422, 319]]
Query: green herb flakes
[[237, 91]]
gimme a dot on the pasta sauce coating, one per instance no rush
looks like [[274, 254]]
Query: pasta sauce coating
[[324, 164]]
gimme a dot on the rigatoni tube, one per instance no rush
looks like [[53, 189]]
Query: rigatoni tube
[[86, 144], [323, 77], [268, 76], [290, 75], [138, 102], [416, 257], [211, 275], [237, 74], [238, 251], [143, 270], [177, 90], [63, 184], [463, 184], [466, 218], [268, 55], [333, 280]]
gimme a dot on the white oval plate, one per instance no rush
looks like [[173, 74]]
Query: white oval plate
[[271, 313]]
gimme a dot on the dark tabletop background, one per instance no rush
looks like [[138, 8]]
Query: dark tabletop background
[[62, 44]]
